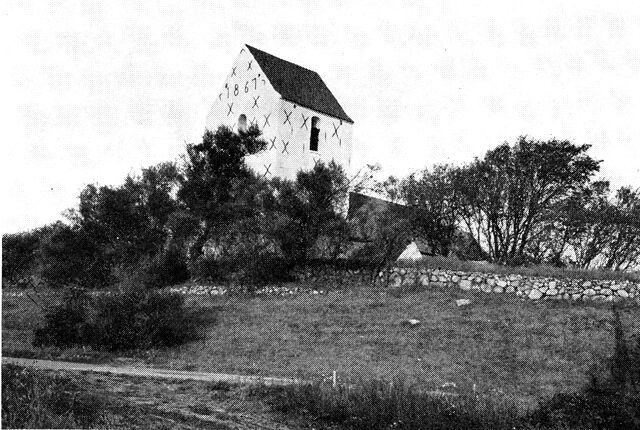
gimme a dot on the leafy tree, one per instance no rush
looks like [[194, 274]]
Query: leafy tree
[[623, 247], [385, 229], [112, 226], [586, 224], [70, 255], [19, 254], [433, 206], [506, 196], [128, 221], [214, 171], [217, 188], [309, 211]]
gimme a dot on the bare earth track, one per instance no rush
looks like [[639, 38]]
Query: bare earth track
[[173, 399], [149, 372]]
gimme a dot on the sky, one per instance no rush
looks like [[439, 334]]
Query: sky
[[93, 91]]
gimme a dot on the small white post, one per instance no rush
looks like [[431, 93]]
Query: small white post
[[335, 379]]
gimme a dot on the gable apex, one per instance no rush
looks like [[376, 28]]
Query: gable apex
[[298, 84]]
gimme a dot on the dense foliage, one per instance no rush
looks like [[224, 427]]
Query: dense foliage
[[135, 319], [531, 202], [19, 253], [211, 217]]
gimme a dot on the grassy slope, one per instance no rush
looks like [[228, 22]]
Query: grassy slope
[[498, 343]]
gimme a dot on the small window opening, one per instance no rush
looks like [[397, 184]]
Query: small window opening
[[315, 132], [242, 123]]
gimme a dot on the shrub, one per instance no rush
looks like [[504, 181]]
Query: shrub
[[141, 320], [131, 320], [168, 267], [32, 399], [256, 264], [243, 258], [66, 323]]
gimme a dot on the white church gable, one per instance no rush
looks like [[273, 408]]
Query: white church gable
[[286, 112]]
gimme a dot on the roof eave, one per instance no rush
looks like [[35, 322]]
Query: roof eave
[[346, 119]]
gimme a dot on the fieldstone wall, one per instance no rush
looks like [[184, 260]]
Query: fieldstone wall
[[523, 286], [526, 287], [533, 288]]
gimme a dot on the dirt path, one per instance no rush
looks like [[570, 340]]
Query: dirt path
[[163, 398], [150, 372]]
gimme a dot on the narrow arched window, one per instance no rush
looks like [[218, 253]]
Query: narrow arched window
[[242, 122], [315, 133]]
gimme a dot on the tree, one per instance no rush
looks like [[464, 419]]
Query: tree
[[623, 247], [385, 229], [506, 196], [113, 226], [70, 255], [216, 186], [432, 206], [19, 254], [587, 224], [309, 211], [128, 221], [213, 171]]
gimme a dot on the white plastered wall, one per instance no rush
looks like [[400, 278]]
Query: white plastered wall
[[247, 91]]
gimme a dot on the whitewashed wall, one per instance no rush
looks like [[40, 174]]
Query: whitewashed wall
[[285, 125]]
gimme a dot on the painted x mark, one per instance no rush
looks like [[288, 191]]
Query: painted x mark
[[304, 121], [255, 102], [266, 120], [273, 143], [335, 130], [288, 114], [230, 108], [284, 148]]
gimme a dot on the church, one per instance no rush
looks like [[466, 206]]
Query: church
[[298, 115]]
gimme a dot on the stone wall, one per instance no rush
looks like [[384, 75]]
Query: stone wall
[[523, 286], [534, 288]]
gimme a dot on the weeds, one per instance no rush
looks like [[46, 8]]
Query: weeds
[[34, 400], [378, 404]]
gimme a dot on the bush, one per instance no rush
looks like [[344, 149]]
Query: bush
[[67, 323], [141, 320], [32, 399], [130, 320], [242, 258], [168, 267]]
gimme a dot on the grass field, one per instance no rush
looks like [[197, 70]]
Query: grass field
[[499, 344]]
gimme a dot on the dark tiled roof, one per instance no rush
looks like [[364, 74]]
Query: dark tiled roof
[[299, 85], [358, 202]]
